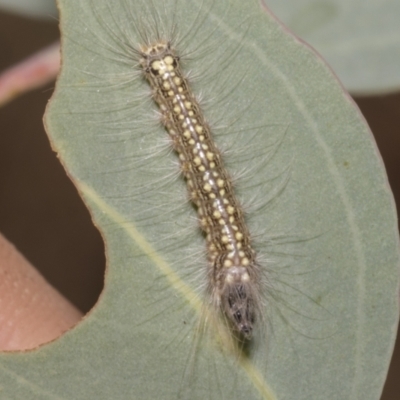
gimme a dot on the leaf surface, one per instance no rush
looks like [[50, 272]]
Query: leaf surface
[[359, 39]]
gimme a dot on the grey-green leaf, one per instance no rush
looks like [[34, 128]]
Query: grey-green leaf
[[31, 8], [322, 215], [359, 39]]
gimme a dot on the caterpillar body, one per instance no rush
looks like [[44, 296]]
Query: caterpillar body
[[233, 274]]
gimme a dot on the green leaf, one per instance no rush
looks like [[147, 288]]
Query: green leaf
[[31, 8], [323, 217], [359, 39]]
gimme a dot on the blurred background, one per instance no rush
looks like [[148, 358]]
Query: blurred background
[[40, 210]]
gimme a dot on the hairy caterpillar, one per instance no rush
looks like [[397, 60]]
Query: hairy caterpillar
[[233, 275]]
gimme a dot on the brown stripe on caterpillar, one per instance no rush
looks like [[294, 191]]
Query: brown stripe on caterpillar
[[233, 274]]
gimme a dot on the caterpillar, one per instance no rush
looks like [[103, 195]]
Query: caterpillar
[[233, 274]]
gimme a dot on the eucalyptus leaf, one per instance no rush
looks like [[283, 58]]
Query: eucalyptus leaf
[[31, 8], [359, 39], [321, 214]]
